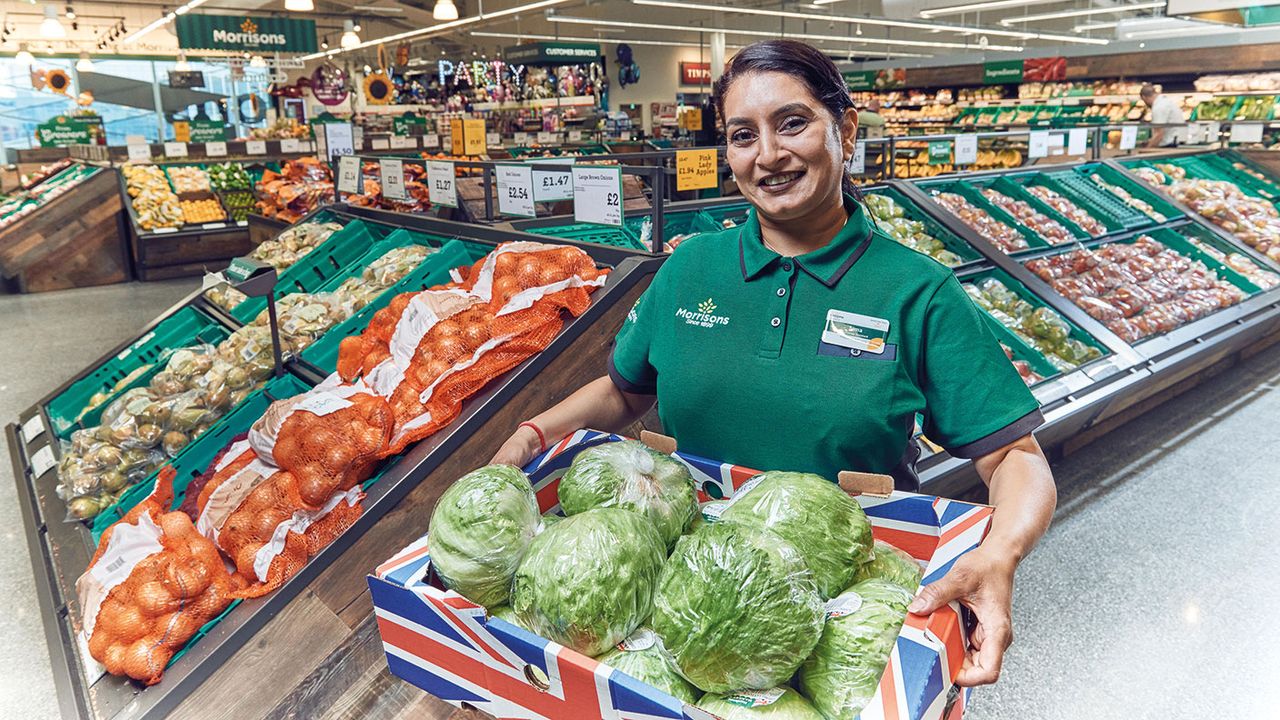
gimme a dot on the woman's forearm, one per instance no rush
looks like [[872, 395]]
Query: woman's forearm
[[599, 404], [1023, 494]]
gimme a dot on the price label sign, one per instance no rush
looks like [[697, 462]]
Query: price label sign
[[357, 138], [575, 136], [597, 194], [255, 147], [473, 137], [392, 171], [440, 183], [493, 139], [380, 144], [696, 169], [446, 144], [290, 145], [1246, 132], [1212, 130], [42, 461], [1077, 141], [966, 149], [175, 149], [139, 153], [1195, 133], [431, 140], [402, 143], [339, 139], [1128, 137], [551, 185], [522, 138], [858, 163], [1038, 144], [349, 175], [33, 428], [515, 190], [215, 149], [546, 138]]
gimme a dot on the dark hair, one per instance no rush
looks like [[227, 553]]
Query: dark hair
[[801, 61]]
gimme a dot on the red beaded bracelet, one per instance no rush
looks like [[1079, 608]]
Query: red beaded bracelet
[[542, 439]]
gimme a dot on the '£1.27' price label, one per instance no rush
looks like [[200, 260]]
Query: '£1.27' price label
[[515, 190], [440, 179]]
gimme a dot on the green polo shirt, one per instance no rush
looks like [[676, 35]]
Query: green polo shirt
[[730, 337]]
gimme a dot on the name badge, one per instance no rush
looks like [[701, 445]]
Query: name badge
[[854, 331]]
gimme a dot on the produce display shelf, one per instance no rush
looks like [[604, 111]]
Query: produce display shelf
[[1115, 215], [1015, 187], [912, 211], [975, 198], [188, 326], [1137, 189]]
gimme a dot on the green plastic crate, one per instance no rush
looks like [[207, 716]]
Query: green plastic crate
[[196, 457], [674, 223], [1114, 215], [1013, 187], [911, 211], [184, 328], [970, 193], [433, 270], [1224, 166], [1232, 157], [319, 266], [589, 233], [1137, 189], [1021, 349], [1176, 241], [737, 212]]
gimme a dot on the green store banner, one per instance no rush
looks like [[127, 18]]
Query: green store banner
[[64, 130], [939, 152], [245, 34], [403, 125], [860, 80], [552, 53], [1002, 72]]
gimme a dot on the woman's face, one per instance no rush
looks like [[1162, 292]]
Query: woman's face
[[784, 147]]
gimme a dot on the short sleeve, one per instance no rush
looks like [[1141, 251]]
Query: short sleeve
[[630, 366], [975, 401]]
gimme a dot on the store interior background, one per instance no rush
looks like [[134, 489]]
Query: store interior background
[[1148, 598]]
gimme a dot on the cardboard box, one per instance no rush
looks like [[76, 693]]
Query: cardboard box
[[443, 643]]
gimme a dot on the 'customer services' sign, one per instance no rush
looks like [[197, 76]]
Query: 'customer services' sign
[[251, 34]]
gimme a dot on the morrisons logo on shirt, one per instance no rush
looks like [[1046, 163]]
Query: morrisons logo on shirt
[[704, 317]]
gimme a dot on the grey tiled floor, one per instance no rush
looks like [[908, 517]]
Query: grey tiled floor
[[1154, 595]]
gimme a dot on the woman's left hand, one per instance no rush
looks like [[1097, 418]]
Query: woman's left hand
[[981, 580]]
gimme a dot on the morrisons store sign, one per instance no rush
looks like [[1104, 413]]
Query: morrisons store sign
[[252, 34]]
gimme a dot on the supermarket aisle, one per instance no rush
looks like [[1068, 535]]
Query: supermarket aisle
[[44, 339], [1154, 593]]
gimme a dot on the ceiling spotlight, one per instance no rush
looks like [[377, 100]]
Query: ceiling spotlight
[[50, 28], [24, 55], [182, 65], [84, 64], [349, 37], [71, 13], [299, 5], [445, 10], [257, 61], [367, 69], [357, 26]]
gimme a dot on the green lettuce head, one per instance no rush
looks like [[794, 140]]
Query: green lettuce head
[[842, 674], [587, 581], [812, 513], [631, 475], [780, 703], [893, 565], [737, 608], [479, 530], [642, 657]]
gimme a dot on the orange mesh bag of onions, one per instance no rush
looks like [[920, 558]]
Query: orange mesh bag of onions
[[153, 582]]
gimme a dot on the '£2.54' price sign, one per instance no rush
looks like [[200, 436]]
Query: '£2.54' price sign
[[597, 194], [515, 190]]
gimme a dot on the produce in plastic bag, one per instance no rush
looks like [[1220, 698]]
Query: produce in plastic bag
[[893, 565], [304, 317], [587, 582], [818, 519], [153, 582], [504, 612], [93, 472], [842, 674], [998, 233], [780, 703], [632, 476], [100, 397], [1053, 232], [479, 530], [737, 608], [293, 244], [642, 657]]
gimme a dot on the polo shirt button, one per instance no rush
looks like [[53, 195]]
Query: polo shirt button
[[782, 291], [786, 267], [775, 322]]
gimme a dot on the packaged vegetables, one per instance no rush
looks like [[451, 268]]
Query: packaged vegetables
[[994, 231], [1041, 328], [1051, 230], [1255, 221], [188, 179], [154, 203], [1264, 279], [1127, 198], [891, 218], [1070, 210]]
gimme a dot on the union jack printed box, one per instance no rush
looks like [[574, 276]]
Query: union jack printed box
[[444, 644]]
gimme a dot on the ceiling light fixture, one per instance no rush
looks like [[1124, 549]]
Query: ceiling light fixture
[[164, 19], [445, 11], [85, 63], [441, 28], [257, 61], [50, 27], [567, 38], [774, 34], [1085, 27], [24, 55], [71, 13], [882, 22], [970, 7], [349, 39], [299, 5], [1083, 12]]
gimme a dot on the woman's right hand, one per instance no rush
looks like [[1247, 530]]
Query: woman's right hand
[[519, 449]]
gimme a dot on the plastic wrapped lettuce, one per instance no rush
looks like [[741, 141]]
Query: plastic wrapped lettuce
[[504, 612], [587, 581], [893, 565], [737, 608], [822, 521], [631, 475], [780, 703], [642, 657], [842, 674], [479, 530]]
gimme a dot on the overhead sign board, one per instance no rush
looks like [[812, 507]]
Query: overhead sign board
[[552, 53], [1002, 72], [695, 73], [242, 33]]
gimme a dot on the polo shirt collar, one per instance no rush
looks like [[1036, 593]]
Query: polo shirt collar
[[827, 264]]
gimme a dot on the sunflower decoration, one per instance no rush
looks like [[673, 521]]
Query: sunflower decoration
[[58, 81], [378, 88]]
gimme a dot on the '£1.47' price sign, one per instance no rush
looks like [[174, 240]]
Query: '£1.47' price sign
[[597, 195], [515, 190], [549, 185]]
